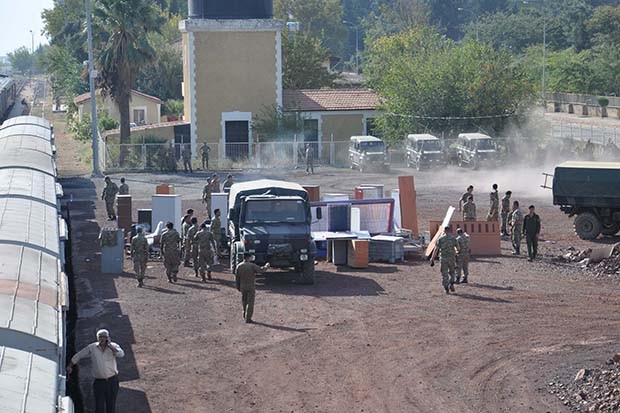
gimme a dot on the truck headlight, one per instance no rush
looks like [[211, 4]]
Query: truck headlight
[[303, 250], [303, 257]]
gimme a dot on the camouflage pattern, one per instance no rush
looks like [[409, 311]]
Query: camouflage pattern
[[516, 222], [109, 196], [123, 189], [447, 256], [462, 256], [191, 249], [216, 230], [204, 154], [187, 158], [505, 213], [185, 242], [139, 255], [463, 199], [215, 184], [469, 212], [206, 245], [206, 196], [494, 208], [170, 241]]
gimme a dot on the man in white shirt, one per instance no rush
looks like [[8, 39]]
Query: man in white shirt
[[103, 354]]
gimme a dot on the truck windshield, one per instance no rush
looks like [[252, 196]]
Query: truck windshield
[[430, 145], [275, 210], [484, 144], [374, 146]]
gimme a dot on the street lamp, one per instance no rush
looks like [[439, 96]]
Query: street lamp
[[357, 45], [475, 20]]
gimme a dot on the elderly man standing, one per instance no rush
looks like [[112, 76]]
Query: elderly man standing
[[109, 196], [102, 354]]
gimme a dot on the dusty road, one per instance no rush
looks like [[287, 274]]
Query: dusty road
[[385, 339]]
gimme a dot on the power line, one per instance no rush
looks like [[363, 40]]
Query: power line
[[504, 115]]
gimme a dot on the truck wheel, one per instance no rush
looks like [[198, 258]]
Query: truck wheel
[[587, 226], [610, 228], [307, 272]]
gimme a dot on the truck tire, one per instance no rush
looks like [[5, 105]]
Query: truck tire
[[610, 228], [587, 226], [307, 272]]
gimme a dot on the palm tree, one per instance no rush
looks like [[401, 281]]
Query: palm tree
[[121, 27]]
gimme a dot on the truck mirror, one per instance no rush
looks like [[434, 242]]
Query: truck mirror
[[319, 213]]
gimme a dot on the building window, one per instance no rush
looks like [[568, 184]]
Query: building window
[[139, 116]]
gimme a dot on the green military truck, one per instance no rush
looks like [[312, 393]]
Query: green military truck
[[271, 220], [590, 191]]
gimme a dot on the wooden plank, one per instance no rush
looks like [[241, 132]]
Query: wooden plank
[[440, 232], [408, 208]]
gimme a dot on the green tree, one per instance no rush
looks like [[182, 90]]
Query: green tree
[[272, 123], [65, 73], [303, 59], [431, 83], [321, 19], [21, 60], [122, 27], [604, 27]]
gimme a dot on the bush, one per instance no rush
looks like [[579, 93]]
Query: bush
[[603, 101]]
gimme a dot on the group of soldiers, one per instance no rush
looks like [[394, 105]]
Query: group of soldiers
[[212, 186], [454, 252], [110, 191], [168, 158]]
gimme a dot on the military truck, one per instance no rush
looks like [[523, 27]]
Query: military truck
[[271, 220], [589, 191]]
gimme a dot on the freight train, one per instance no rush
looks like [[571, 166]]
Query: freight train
[[33, 285], [8, 94]]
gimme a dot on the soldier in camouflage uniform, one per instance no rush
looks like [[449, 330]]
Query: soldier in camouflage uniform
[[139, 255], [216, 230], [170, 241], [462, 256], [109, 196], [124, 188], [187, 158], [206, 245], [469, 210], [516, 222], [446, 249], [206, 196], [204, 153], [191, 249], [465, 196], [494, 208], [245, 279], [172, 159], [505, 212], [186, 223]]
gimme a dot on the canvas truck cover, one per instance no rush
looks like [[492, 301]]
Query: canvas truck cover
[[260, 187], [587, 184]]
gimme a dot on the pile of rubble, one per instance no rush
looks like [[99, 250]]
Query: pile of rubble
[[602, 262], [592, 390]]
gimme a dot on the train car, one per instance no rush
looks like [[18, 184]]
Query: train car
[[8, 94], [34, 289]]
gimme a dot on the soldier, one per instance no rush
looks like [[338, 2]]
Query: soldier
[[139, 255], [245, 278], [309, 159], [216, 230], [206, 245], [228, 183], [505, 212], [186, 223], [204, 154], [215, 183], [191, 249], [531, 229], [462, 256], [463, 200], [206, 195], [124, 188], [516, 222], [109, 196], [446, 249], [493, 214], [187, 158], [469, 210], [170, 241], [172, 159]]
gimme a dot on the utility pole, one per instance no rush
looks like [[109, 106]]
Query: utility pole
[[92, 74]]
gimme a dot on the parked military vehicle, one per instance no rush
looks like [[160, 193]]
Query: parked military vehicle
[[424, 151], [589, 191], [271, 220], [476, 150], [368, 152]]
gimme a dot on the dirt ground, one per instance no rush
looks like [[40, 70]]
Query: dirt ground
[[383, 339]]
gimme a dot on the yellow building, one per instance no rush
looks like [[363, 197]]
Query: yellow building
[[143, 109]]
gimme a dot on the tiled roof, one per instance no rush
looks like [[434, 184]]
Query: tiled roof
[[86, 96], [313, 100]]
